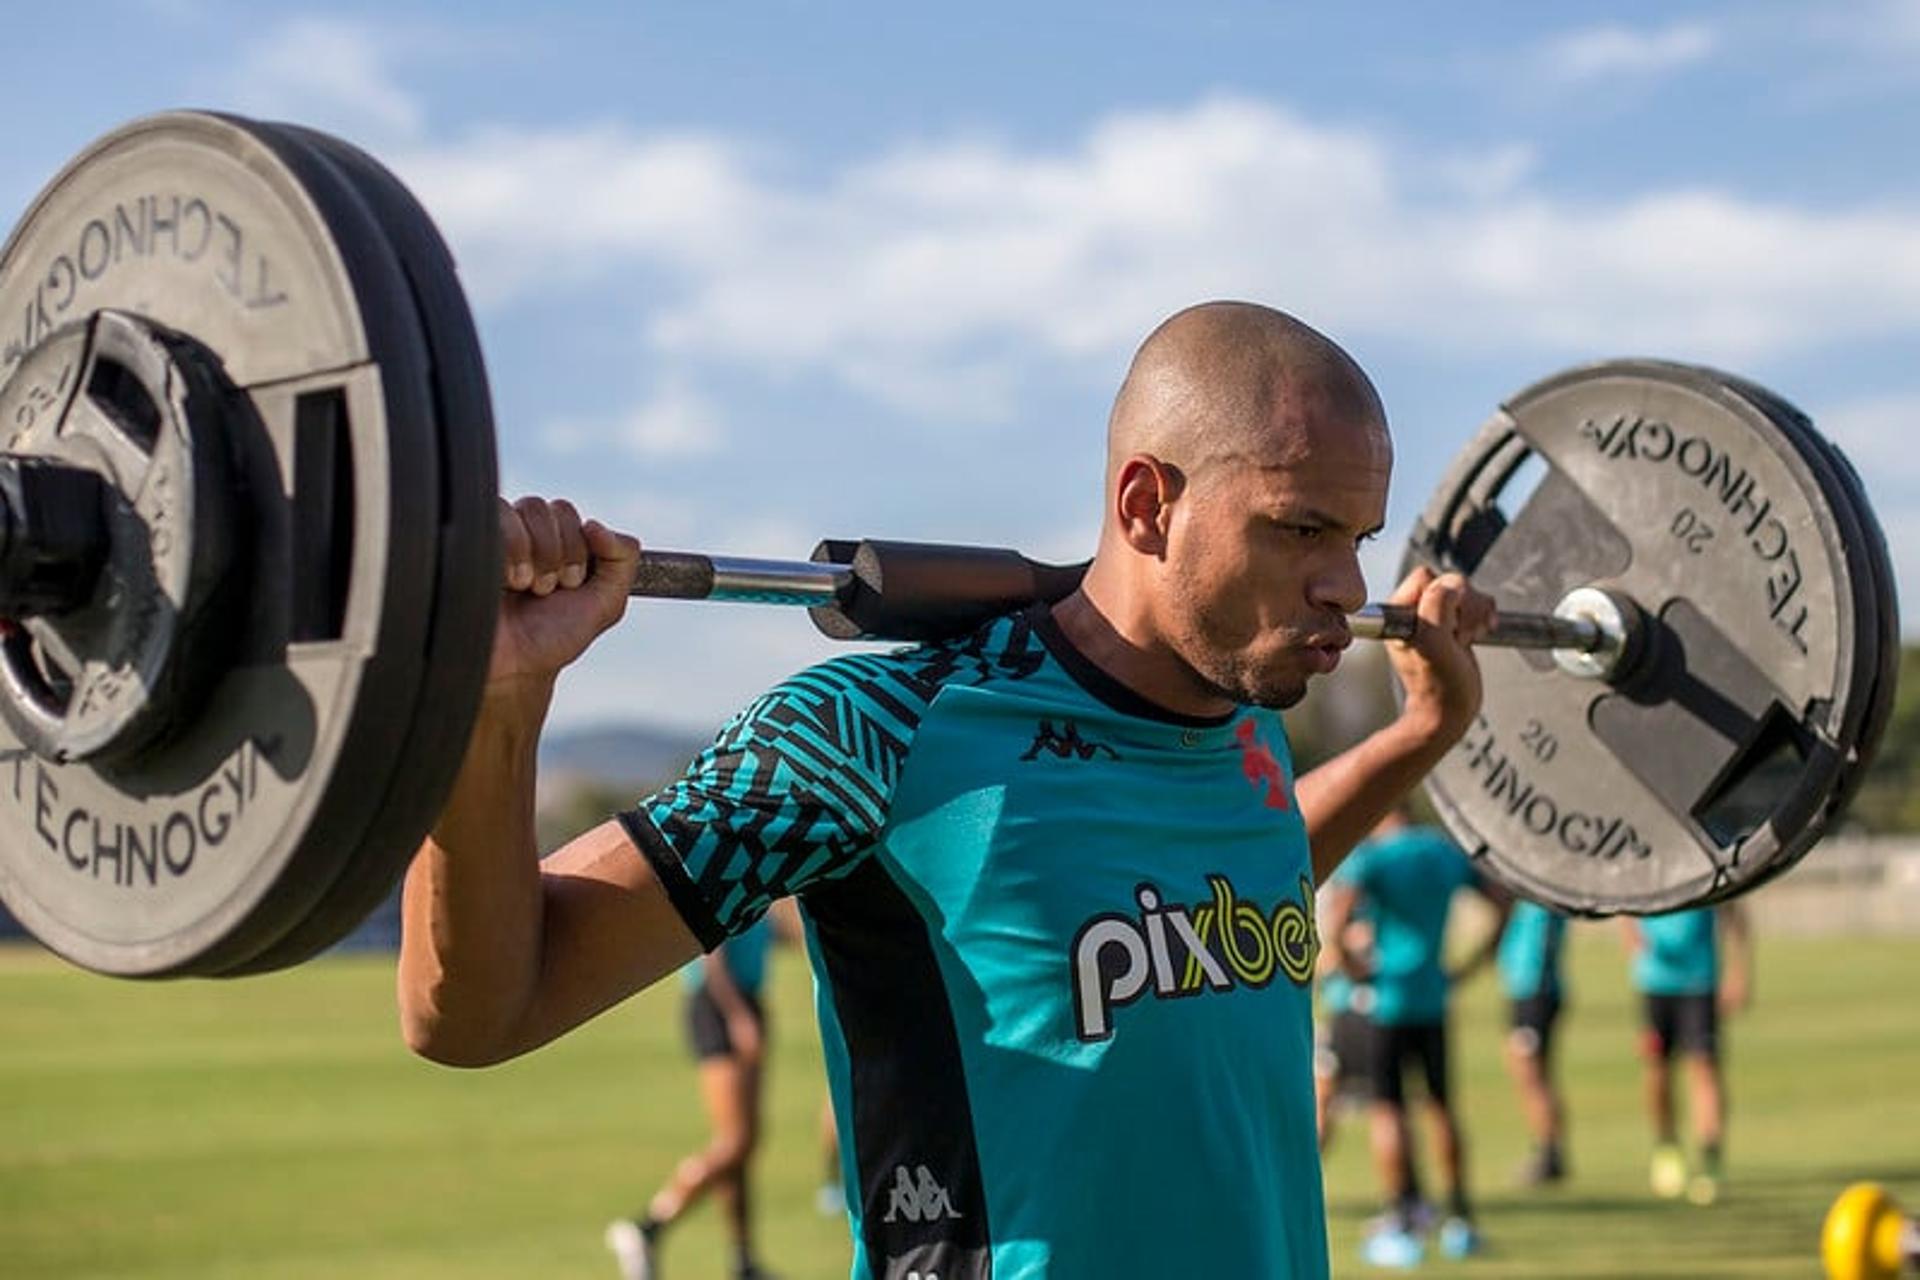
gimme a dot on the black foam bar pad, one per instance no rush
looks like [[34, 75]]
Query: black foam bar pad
[[932, 591]]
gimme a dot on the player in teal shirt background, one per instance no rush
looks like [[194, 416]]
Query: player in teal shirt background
[[1690, 968], [1343, 1033], [1407, 875], [1530, 974], [1058, 875], [726, 1030]]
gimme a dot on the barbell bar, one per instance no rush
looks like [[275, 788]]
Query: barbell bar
[[242, 350], [1589, 625]]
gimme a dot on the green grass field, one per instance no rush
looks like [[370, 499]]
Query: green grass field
[[276, 1127]]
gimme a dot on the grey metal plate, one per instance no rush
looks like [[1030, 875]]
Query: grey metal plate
[[214, 844], [463, 600], [1723, 759]]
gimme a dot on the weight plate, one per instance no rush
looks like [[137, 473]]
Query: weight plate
[[1875, 605], [465, 598], [148, 413], [1720, 759], [1866, 544], [214, 843]]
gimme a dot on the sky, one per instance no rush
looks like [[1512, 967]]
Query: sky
[[747, 276]]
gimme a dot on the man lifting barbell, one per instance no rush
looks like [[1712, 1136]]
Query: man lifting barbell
[[250, 568], [1002, 934], [250, 575]]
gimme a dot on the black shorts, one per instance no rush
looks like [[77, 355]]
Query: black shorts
[[1681, 1024], [1344, 1050], [1531, 1024], [707, 1025], [1393, 1049]]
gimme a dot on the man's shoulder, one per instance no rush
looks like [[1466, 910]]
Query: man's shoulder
[[1002, 648], [854, 700]]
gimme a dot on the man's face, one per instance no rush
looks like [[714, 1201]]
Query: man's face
[[1262, 560]]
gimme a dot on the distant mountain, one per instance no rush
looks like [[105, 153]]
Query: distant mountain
[[622, 754]]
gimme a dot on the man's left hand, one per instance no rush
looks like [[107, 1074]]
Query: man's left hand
[[1437, 667]]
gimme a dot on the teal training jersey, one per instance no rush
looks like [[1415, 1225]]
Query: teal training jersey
[[1408, 878], [1680, 956], [1064, 944], [745, 955], [1530, 952]]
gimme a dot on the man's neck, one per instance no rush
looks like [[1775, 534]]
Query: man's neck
[[1125, 647]]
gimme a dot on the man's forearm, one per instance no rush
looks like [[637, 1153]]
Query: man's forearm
[[472, 905], [1347, 796]]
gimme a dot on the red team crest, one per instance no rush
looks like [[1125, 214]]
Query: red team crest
[[1258, 763]]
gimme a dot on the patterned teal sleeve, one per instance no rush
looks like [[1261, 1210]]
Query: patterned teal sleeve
[[794, 790]]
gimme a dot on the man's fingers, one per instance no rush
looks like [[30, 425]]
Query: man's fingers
[[546, 547], [543, 535], [1439, 604], [1412, 586], [1448, 603], [616, 560], [573, 544], [612, 552], [516, 549]]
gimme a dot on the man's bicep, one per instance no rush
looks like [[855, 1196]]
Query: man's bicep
[[608, 929]]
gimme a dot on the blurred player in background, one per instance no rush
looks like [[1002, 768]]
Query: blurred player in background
[[1686, 983], [1408, 876], [726, 1027], [1530, 950]]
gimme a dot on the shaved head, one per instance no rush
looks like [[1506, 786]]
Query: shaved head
[[1247, 460], [1234, 382]]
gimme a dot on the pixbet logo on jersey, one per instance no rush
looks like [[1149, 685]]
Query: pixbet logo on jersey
[[1228, 942]]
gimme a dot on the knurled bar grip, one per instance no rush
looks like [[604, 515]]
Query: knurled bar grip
[[684, 575], [1510, 630], [681, 575]]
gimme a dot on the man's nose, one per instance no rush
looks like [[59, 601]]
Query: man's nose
[[1340, 586]]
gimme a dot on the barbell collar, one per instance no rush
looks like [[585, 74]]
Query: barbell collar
[[53, 536]]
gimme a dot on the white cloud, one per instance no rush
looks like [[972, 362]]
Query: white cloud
[[677, 421], [1899, 22], [1600, 53], [1878, 435], [935, 276], [946, 279], [330, 72], [533, 211], [1486, 175], [1881, 28]]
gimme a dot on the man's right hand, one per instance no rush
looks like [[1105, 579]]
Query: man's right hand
[[566, 581]]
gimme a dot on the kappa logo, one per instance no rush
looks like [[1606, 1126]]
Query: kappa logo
[[918, 1197], [1066, 742], [1258, 763]]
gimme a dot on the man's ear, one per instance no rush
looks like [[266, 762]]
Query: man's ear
[[1144, 493]]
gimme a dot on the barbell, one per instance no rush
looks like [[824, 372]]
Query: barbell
[[250, 565]]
